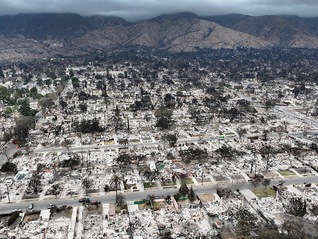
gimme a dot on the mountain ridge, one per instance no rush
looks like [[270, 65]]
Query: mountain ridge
[[281, 30], [27, 36]]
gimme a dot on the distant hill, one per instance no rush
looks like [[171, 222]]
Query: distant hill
[[27, 36], [281, 31]]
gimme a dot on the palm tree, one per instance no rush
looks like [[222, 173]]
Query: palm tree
[[151, 200], [116, 182]]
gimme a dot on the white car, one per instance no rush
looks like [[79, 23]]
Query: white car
[[16, 210], [31, 206]]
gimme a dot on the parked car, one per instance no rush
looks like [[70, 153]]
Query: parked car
[[95, 202], [86, 200], [31, 206], [16, 210], [51, 206]]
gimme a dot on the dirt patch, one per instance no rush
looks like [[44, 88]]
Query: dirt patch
[[93, 209], [144, 206], [64, 211], [158, 205], [33, 217], [220, 178], [270, 174], [206, 197], [205, 180]]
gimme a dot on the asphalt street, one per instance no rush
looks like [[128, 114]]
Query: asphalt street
[[132, 196]]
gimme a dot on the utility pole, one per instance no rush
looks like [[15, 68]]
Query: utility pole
[[80, 135], [8, 193], [202, 175], [131, 232], [8, 185]]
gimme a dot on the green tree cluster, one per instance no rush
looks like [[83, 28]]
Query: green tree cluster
[[9, 167], [4, 94], [164, 118], [25, 109], [171, 138], [75, 82], [71, 163], [184, 191], [88, 126], [193, 154], [23, 125]]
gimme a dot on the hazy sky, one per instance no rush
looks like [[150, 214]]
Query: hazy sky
[[141, 9]]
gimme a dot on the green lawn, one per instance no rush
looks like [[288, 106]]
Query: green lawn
[[149, 185], [287, 173], [168, 184], [264, 192], [187, 181], [52, 153]]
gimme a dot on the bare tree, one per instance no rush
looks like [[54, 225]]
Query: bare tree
[[245, 221], [267, 151], [56, 189], [67, 143], [8, 193], [314, 209], [296, 206], [87, 183], [255, 182], [266, 182], [294, 230], [241, 131], [35, 183]]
